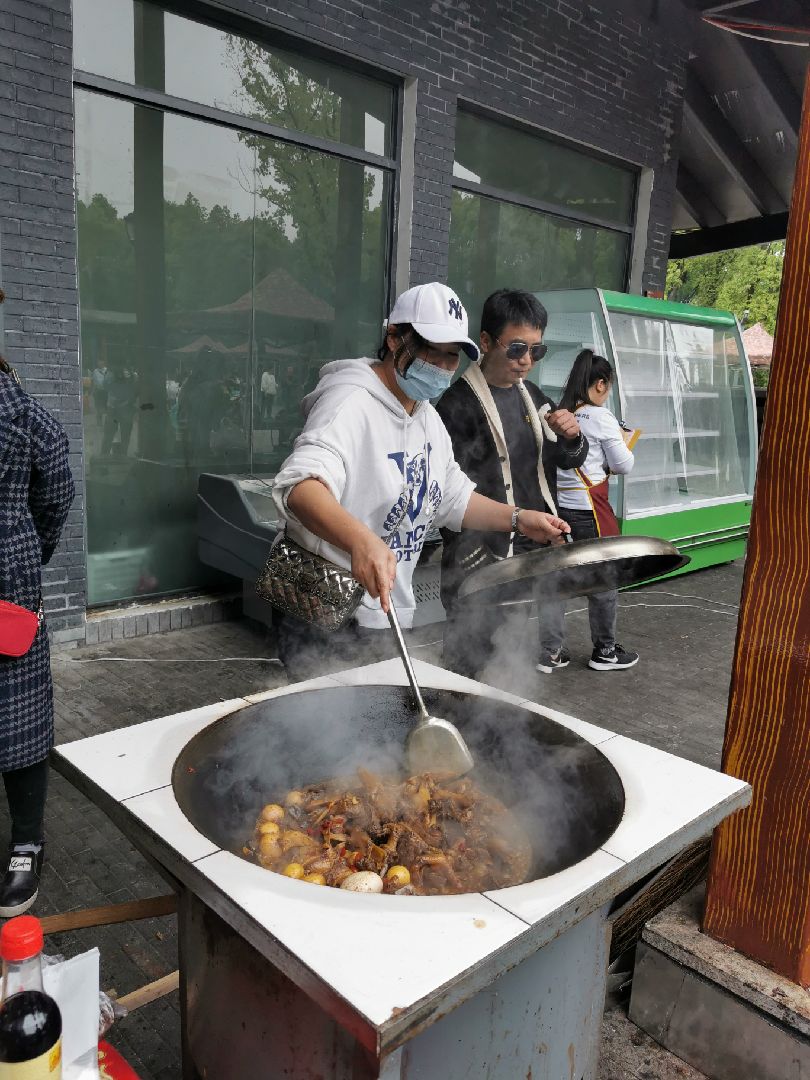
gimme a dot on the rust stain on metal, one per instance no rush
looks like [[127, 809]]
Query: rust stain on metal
[[572, 1063]]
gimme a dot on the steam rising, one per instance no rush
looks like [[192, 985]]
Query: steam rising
[[565, 795]]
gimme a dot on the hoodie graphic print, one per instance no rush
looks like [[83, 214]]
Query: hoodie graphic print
[[393, 471]]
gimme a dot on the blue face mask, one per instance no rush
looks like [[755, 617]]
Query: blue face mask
[[423, 381]]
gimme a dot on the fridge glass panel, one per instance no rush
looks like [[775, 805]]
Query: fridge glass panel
[[571, 328], [684, 386]]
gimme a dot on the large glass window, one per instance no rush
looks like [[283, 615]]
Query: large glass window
[[531, 213], [137, 42], [219, 269], [524, 163]]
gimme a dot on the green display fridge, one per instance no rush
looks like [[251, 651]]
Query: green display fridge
[[683, 379]]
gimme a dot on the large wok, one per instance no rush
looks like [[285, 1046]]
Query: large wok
[[575, 569], [565, 793]]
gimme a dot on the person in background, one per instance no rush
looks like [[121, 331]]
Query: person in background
[[373, 470], [122, 395], [98, 379], [36, 490], [172, 400], [584, 503], [510, 438], [268, 387]]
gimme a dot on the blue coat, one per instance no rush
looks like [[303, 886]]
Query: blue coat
[[36, 490]]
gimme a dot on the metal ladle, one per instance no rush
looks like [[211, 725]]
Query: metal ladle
[[434, 745]]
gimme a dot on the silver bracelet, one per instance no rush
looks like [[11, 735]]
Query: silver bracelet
[[515, 513]]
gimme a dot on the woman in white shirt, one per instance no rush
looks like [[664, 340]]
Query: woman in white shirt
[[582, 500]]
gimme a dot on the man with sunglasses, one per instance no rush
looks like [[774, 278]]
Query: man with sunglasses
[[510, 438]]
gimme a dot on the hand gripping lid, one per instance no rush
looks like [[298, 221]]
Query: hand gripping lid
[[437, 314]]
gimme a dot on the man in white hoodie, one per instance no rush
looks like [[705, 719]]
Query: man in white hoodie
[[373, 470]]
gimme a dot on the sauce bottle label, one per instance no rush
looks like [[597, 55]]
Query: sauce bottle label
[[47, 1066]]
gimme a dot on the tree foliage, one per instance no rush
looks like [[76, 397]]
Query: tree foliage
[[745, 281]]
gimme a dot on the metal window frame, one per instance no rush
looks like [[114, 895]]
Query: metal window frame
[[158, 99], [211, 13], [551, 209], [557, 210]]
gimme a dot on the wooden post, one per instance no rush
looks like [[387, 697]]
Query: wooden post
[[758, 898]]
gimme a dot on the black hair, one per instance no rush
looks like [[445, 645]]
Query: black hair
[[512, 307], [411, 341], [588, 369]]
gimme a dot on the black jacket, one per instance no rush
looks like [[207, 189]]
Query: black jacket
[[475, 451]]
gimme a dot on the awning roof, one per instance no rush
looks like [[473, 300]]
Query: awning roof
[[742, 112]]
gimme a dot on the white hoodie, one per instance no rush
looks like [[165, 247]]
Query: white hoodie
[[382, 465], [606, 450]]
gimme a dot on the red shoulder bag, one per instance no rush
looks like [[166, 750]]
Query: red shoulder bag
[[18, 628]]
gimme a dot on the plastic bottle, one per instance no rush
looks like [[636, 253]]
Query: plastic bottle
[[30, 1020]]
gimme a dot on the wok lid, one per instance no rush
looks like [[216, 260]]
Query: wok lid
[[576, 569]]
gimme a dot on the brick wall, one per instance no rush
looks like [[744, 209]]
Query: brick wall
[[609, 74], [38, 251]]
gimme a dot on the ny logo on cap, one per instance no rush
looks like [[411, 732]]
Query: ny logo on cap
[[456, 309]]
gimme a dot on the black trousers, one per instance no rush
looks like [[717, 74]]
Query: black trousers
[[26, 791], [308, 652], [479, 639]]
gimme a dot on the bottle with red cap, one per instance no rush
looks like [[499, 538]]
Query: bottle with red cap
[[30, 1021]]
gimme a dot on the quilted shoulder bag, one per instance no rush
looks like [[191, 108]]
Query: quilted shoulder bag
[[308, 586], [18, 628]]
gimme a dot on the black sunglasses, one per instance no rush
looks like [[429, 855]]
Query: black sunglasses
[[515, 350]]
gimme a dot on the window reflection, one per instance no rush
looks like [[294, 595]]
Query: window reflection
[[493, 243], [218, 272], [501, 156], [231, 72]]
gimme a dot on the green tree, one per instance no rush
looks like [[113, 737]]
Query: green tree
[[106, 258], [334, 212], [745, 281]]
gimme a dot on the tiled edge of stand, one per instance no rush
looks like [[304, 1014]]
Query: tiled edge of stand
[[469, 940]]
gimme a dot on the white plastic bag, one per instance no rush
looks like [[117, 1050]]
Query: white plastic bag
[[73, 984]]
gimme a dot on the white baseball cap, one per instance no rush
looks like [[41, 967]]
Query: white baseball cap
[[435, 312]]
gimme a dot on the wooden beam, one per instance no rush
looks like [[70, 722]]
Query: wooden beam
[[153, 991], [710, 7], [785, 102], [110, 913], [760, 230], [724, 142], [758, 898], [696, 200]]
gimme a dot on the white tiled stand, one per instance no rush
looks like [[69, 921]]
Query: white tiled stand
[[283, 979]]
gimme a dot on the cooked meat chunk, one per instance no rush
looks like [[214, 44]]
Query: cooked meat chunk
[[445, 836]]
